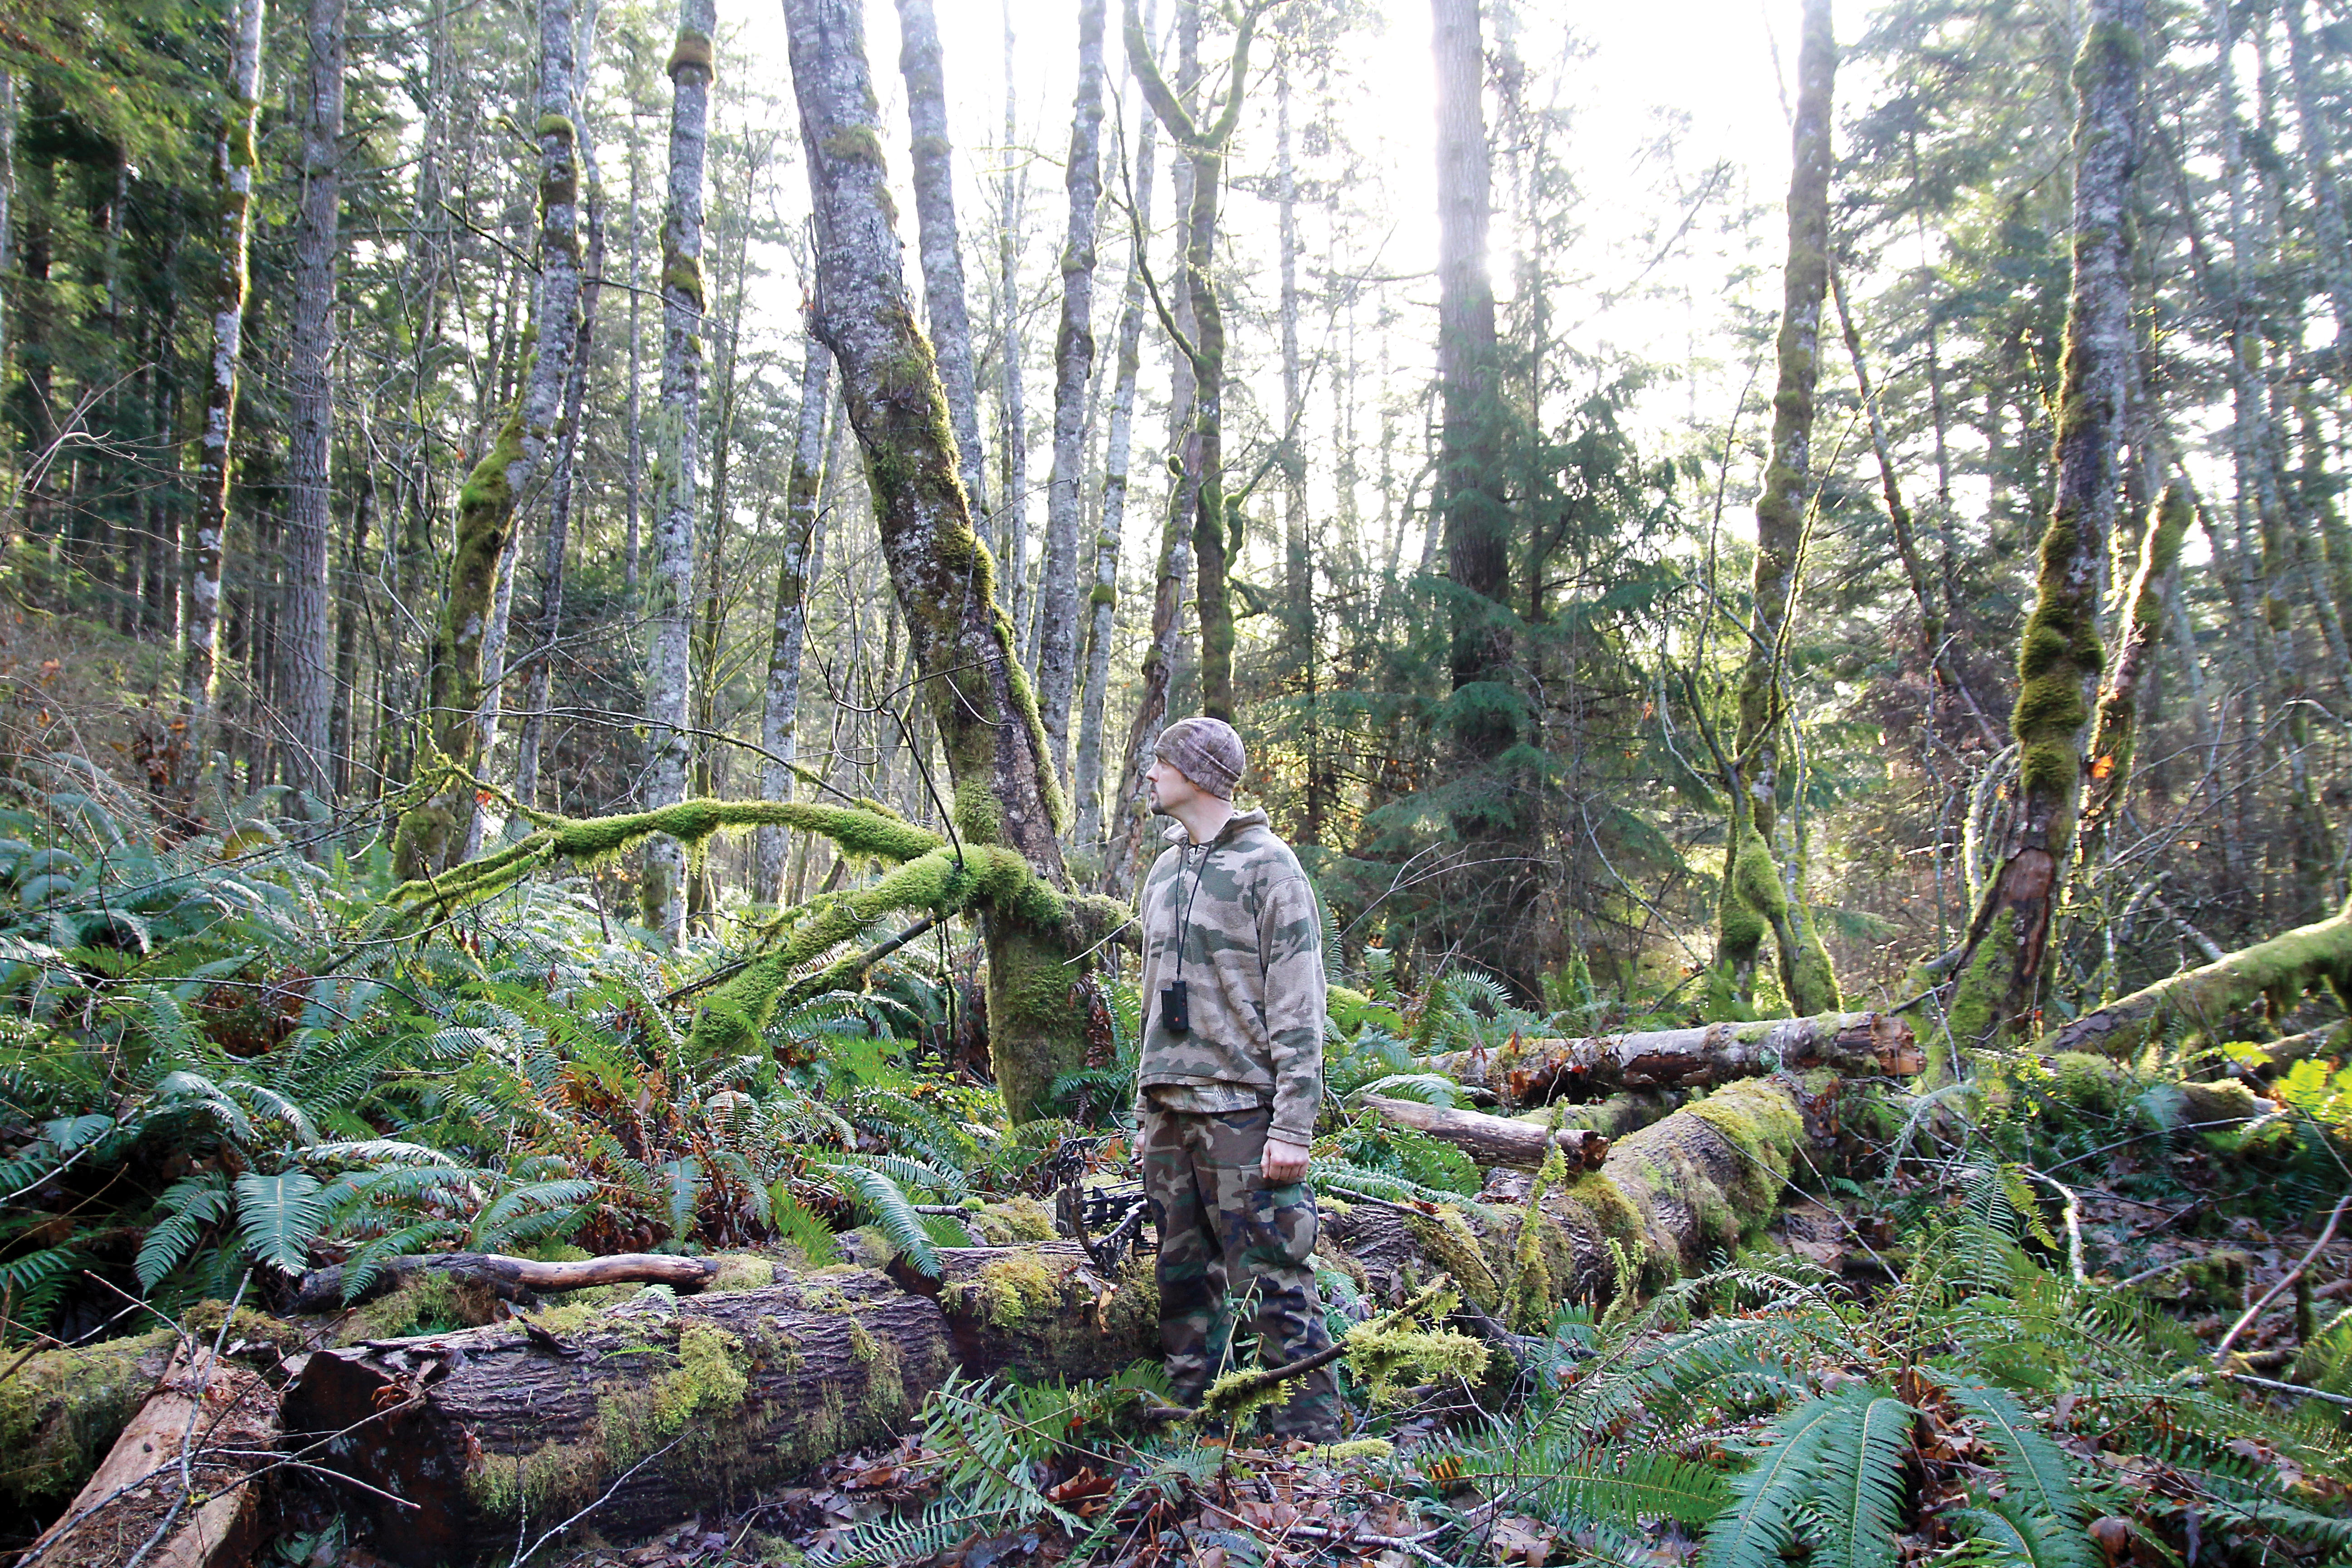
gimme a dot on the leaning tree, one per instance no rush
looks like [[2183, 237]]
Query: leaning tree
[[997, 858]]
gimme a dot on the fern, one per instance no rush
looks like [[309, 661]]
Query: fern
[[2011, 1534], [2033, 1468], [1769, 1500], [279, 1217], [889, 1539], [887, 1208], [192, 1204], [1860, 1479]]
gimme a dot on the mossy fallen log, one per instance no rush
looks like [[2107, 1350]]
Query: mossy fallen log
[[1667, 1197], [507, 1278], [60, 1412], [225, 1417], [1493, 1140], [673, 1407], [1041, 1311], [2280, 970], [1530, 1070]]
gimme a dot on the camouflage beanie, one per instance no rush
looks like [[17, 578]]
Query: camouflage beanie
[[1206, 750]]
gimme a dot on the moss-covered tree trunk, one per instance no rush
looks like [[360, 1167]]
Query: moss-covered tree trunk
[[433, 834], [2278, 971], [1204, 148], [668, 673], [935, 227], [2002, 968], [233, 159], [1763, 880], [779, 721], [1074, 361], [1005, 794]]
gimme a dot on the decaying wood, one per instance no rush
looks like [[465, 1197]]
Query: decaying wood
[[217, 1419], [728, 1391], [1529, 1070], [1041, 1310], [2280, 970], [1667, 1197], [1493, 1140], [509, 1279]]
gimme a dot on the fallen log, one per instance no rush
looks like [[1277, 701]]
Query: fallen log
[[177, 1476], [659, 1412], [60, 1412], [1529, 1070], [1493, 1140], [1041, 1310], [509, 1279], [1668, 1197], [2281, 969]]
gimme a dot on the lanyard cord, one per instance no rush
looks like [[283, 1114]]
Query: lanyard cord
[[1184, 910]]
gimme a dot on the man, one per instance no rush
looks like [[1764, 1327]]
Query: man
[[1231, 1076]]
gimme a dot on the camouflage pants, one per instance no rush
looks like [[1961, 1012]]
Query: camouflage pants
[[1222, 1229]]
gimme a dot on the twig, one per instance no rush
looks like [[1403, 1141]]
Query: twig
[[206, 1371], [2221, 1351], [525, 1554], [2344, 1400]]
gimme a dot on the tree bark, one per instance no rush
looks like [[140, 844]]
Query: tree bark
[[674, 1411], [562, 490], [779, 721], [1061, 1319], [1533, 1071], [1493, 1140], [667, 674], [1103, 602], [2280, 970], [1012, 446], [224, 1418], [2334, 251], [1204, 147], [1763, 884], [308, 681], [937, 240], [2001, 971], [1006, 795], [233, 159], [1073, 359], [464, 678], [2108, 774]]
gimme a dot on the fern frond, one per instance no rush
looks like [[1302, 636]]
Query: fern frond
[[2033, 1468], [1860, 1476], [1768, 1498], [2010, 1534], [279, 1217], [887, 1206]]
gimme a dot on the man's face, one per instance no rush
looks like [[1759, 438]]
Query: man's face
[[1168, 787]]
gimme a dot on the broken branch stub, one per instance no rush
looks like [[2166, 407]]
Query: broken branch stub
[[1493, 1140], [509, 1279]]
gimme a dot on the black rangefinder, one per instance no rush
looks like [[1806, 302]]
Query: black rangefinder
[[1175, 1009]]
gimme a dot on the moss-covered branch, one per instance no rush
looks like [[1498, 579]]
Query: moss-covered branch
[[858, 831], [2281, 969]]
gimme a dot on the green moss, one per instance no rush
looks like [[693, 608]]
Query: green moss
[[1446, 1237], [1012, 1222], [61, 1411], [855, 145], [691, 49], [1610, 1213], [1391, 1357], [485, 489], [557, 125], [550, 1483], [426, 1302], [1979, 1001], [739, 1271], [1357, 1449], [1102, 594], [1010, 1289], [683, 275]]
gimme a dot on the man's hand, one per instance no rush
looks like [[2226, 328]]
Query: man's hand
[[1283, 1162]]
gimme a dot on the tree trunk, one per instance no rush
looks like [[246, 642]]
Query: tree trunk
[[1040, 1310], [1533, 1071], [308, 681], [1012, 448], [675, 1410], [2280, 970], [465, 681], [352, 600], [2001, 973], [562, 486], [225, 1417], [1102, 602], [779, 721], [1493, 1140], [2334, 251], [1007, 798], [632, 411], [2112, 732], [1205, 146], [1073, 359], [667, 674], [233, 161], [1763, 886], [942, 260], [1298, 560]]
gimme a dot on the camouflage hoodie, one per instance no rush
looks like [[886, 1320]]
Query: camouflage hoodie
[[1252, 969]]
